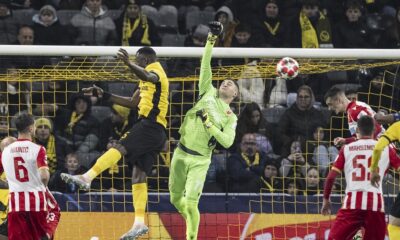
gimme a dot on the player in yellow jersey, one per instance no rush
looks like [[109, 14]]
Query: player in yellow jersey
[[143, 142], [392, 134]]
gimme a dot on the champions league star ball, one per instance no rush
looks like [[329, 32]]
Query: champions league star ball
[[287, 68]]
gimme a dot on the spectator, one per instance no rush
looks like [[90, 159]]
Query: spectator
[[322, 155], [25, 36], [47, 28], [352, 32], [242, 38], [293, 187], [295, 164], [224, 15], [114, 126], [310, 28], [78, 127], [279, 94], [94, 26], [251, 120], [300, 119], [246, 167], [56, 149], [72, 166], [49, 100], [8, 24], [136, 29], [17, 95], [391, 35], [313, 184], [270, 178], [183, 67], [251, 85], [270, 28]]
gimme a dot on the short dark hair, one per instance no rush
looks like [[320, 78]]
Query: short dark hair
[[23, 122], [366, 125], [147, 51], [311, 3], [333, 92]]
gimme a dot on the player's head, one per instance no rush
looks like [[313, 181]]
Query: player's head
[[366, 126], [336, 100], [229, 89], [25, 124], [145, 56], [6, 141]]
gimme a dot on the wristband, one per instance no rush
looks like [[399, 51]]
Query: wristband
[[396, 116]]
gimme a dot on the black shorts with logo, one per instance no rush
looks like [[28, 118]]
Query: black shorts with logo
[[143, 142], [395, 211]]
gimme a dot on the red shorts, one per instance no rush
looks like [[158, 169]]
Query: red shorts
[[27, 225], [349, 221]]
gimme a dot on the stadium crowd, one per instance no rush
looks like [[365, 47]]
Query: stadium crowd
[[281, 141]]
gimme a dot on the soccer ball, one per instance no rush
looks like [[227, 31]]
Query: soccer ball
[[287, 68]]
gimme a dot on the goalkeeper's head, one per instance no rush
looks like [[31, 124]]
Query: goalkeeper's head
[[229, 90]]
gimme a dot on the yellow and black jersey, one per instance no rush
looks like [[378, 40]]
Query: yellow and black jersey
[[154, 96]]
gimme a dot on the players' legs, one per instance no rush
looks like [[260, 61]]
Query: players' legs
[[196, 177], [177, 180], [139, 194], [346, 225], [375, 226], [394, 219]]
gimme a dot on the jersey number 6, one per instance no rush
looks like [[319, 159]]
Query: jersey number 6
[[21, 173]]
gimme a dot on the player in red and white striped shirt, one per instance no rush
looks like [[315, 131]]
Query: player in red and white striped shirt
[[337, 101], [363, 204], [25, 166]]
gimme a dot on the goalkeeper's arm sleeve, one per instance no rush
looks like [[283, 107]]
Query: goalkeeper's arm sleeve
[[205, 68], [227, 135]]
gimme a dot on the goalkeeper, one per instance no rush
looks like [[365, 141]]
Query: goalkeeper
[[391, 135], [210, 121]]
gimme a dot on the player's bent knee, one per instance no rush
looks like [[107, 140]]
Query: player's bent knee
[[120, 148], [175, 198]]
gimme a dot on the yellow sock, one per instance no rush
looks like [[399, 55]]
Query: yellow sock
[[108, 159], [394, 231], [139, 193]]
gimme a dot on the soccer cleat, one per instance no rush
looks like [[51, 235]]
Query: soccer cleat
[[78, 180], [135, 232]]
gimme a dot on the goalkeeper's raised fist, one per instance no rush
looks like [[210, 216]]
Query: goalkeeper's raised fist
[[215, 28]]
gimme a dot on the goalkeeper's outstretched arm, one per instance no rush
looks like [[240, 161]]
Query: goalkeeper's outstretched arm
[[205, 68]]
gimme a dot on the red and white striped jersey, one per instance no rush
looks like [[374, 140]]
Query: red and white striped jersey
[[357, 109], [21, 161], [355, 159]]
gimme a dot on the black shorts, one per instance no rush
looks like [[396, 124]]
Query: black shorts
[[395, 211], [143, 142], [4, 228]]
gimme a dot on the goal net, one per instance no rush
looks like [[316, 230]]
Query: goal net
[[47, 82]]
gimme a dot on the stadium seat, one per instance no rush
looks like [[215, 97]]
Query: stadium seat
[[65, 16], [195, 18], [273, 115], [101, 112], [176, 40], [24, 16], [152, 13], [168, 16]]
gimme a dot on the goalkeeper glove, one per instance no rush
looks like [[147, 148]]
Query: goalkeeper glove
[[204, 118], [215, 28]]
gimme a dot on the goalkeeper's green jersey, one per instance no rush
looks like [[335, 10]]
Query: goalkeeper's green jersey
[[194, 135]]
